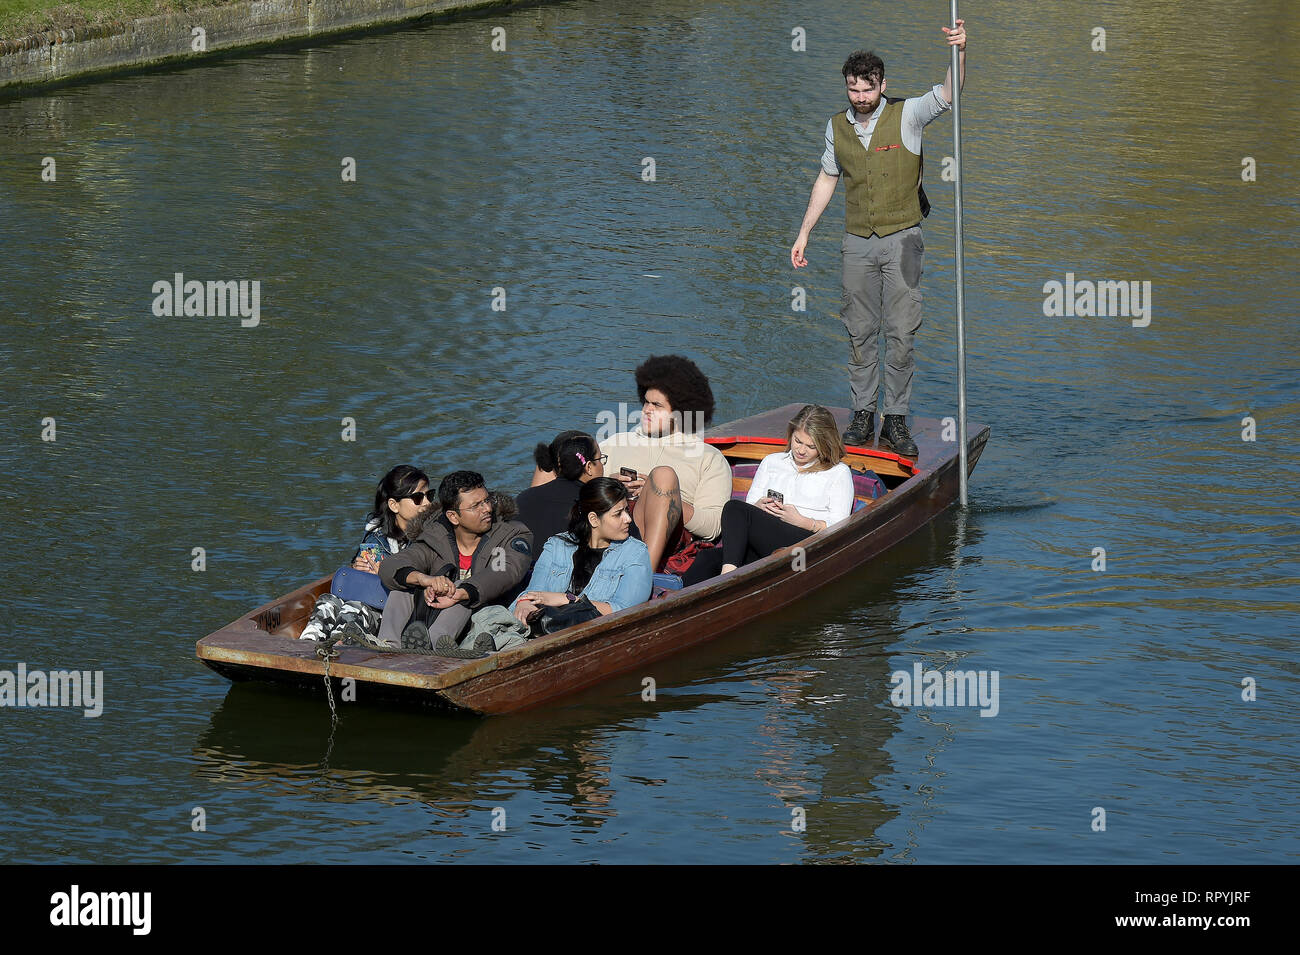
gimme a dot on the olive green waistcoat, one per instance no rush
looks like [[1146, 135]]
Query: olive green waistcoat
[[882, 190]]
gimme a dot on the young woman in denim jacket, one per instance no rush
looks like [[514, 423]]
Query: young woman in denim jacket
[[597, 558]]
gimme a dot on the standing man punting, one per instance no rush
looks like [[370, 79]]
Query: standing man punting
[[876, 145]]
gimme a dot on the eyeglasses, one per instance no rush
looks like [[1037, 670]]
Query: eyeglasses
[[485, 503], [419, 497]]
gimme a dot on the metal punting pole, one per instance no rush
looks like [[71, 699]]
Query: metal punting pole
[[959, 258]]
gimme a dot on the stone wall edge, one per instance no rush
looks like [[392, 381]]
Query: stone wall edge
[[30, 63]]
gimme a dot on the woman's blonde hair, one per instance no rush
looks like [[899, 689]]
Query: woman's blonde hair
[[825, 433]]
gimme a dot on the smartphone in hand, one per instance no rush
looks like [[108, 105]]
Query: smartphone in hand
[[629, 473], [776, 496]]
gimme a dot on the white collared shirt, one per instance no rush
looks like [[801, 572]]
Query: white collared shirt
[[918, 112], [820, 495]]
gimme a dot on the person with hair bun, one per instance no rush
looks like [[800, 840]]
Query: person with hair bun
[[596, 558], [545, 456], [576, 459]]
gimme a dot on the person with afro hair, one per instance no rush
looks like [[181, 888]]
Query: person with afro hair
[[681, 482]]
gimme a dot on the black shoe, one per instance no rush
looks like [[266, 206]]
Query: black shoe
[[862, 430], [447, 647], [894, 433], [415, 636], [352, 632]]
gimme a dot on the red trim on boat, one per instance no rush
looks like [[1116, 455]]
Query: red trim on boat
[[854, 448]]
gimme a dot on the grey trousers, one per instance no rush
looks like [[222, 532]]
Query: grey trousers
[[882, 286], [397, 612]]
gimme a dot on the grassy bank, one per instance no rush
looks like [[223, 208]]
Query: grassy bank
[[19, 18]]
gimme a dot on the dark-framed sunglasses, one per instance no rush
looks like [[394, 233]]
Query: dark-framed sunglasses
[[419, 497]]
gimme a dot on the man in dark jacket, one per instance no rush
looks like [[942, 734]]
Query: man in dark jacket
[[460, 561]]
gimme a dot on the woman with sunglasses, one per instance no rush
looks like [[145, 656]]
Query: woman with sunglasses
[[544, 508], [402, 495], [401, 498]]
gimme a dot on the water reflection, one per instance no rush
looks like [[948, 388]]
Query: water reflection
[[820, 669], [450, 763]]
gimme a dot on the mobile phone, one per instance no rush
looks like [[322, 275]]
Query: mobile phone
[[776, 496], [629, 473]]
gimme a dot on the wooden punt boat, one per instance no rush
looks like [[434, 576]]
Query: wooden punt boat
[[263, 644]]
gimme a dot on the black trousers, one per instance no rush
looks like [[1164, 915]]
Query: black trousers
[[748, 534]]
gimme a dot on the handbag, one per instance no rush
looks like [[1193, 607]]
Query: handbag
[[546, 620], [352, 584], [681, 561]]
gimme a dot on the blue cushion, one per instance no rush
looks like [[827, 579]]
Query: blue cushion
[[351, 584]]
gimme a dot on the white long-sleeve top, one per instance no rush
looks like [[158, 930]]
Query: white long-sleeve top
[[820, 495]]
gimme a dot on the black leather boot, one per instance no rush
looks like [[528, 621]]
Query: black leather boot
[[894, 433], [862, 430]]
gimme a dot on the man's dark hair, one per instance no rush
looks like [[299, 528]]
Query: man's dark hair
[[455, 482], [685, 386], [863, 64]]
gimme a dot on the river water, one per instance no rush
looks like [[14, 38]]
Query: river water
[[1160, 690]]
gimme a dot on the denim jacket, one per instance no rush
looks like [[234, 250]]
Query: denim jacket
[[621, 579]]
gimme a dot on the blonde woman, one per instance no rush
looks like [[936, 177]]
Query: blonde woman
[[795, 493]]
